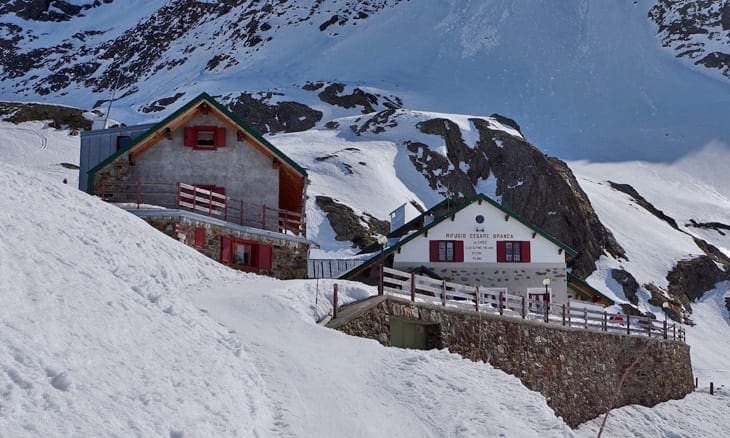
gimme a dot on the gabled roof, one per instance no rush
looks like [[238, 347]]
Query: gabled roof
[[203, 97], [580, 286], [457, 208]]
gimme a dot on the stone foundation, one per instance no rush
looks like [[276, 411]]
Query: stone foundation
[[576, 370], [289, 258]]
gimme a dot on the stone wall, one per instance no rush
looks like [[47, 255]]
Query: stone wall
[[289, 258], [576, 370]]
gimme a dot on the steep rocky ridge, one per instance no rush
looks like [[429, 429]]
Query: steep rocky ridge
[[696, 30]]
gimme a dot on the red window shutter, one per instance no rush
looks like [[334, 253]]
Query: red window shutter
[[433, 250], [501, 251], [226, 244], [199, 237], [220, 137], [458, 250], [189, 137], [264, 257], [525, 252]]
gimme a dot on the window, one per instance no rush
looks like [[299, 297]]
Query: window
[[245, 254], [204, 137], [123, 141], [513, 251], [446, 251]]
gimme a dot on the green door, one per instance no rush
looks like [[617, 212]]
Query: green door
[[407, 334]]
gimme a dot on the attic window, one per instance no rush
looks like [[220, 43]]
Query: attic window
[[205, 137]]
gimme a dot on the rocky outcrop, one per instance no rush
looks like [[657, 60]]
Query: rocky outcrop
[[721, 228], [361, 230], [628, 283], [60, 116], [541, 189], [642, 202], [692, 278], [367, 102], [267, 117], [676, 308]]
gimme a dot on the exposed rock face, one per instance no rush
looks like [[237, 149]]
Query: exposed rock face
[[648, 206], [628, 283], [59, 115], [276, 117], [674, 306], [697, 30], [348, 226], [721, 228], [692, 278], [368, 102], [543, 190]]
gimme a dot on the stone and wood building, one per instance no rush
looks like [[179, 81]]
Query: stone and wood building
[[205, 177]]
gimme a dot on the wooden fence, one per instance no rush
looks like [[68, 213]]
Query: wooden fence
[[576, 314], [204, 201]]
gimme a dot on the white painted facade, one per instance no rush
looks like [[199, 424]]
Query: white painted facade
[[480, 226]]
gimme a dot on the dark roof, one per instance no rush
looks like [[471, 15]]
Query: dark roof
[[203, 96], [457, 208], [575, 281]]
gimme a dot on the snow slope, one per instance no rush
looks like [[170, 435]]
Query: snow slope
[[587, 79]]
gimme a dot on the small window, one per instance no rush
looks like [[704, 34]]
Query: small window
[[446, 251], [480, 219], [246, 255], [513, 251], [204, 137], [123, 141]]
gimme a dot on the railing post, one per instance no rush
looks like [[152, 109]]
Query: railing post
[[177, 194], [241, 213], [674, 331], [501, 306], [263, 217], [380, 279], [443, 292], [547, 312], [286, 221], [605, 321], [225, 209], [335, 298], [649, 326], [524, 311], [413, 287], [666, 334], [195, 196], [139, 193], [570, 323], [476, 298], [210, 202], [563, 315], [585, 318], [628, 323]]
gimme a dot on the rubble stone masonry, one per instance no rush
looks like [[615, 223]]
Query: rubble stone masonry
[[576, 370]]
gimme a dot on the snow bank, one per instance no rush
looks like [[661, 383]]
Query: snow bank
[[96, 335]]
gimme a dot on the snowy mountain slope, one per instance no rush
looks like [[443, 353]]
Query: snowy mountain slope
[[589, 80]]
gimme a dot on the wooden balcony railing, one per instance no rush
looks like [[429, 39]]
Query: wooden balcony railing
[[203, 201]]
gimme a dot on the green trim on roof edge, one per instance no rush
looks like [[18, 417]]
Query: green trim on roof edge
[[202, 96]]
